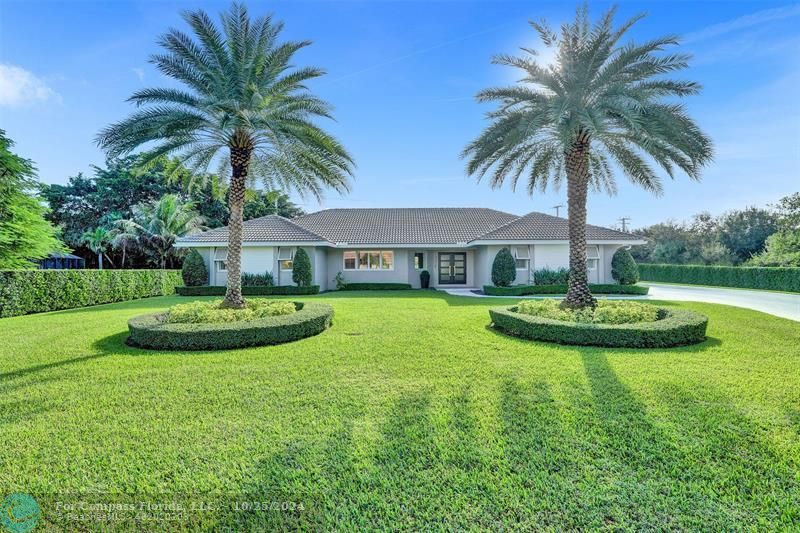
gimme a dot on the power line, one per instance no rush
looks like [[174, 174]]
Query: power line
[[556, 207]]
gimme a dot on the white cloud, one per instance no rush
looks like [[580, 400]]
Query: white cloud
[[20, 87], [139, 73], [747, 21]]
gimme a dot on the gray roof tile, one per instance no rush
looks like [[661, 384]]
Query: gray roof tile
[[271, 228], [438, 225], [539, 226]]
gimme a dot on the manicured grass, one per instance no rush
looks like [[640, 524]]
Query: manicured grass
[[408, 413]]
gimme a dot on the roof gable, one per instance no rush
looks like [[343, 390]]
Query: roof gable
[[270, 228], [539, 226]]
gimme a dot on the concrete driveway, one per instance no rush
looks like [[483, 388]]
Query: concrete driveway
[[781, 304]]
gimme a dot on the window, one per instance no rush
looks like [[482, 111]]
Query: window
[[387, 260], [522, 258], [419, 260], [350, 259], [221, 259], [592, 257], [368, 260], [285, 258]]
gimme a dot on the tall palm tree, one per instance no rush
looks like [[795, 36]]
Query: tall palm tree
[[124, 236], [160, 223], [244, 99], [97, 240], [600, 102]]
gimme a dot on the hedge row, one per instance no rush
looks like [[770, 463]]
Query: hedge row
[[375, 287], [525, 290], [38, 291], [150, 331], [248, 290], [675, 327], [771, 278]]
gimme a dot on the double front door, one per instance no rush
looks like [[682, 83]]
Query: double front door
[[452, 268]]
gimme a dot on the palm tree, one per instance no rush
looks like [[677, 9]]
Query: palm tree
[[124, 235], [97, 240], [158, 225], [600, 102], [244, 99]]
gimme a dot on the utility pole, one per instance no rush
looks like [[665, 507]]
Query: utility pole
[[556, 207], [624, 221]]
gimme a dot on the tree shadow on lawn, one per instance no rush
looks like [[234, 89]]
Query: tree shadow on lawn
[[22, 372]]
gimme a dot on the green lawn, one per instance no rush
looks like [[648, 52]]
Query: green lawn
[[408, 413]]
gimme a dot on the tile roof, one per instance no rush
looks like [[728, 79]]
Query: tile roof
[[438, 225], [271, 228], [539, 226]]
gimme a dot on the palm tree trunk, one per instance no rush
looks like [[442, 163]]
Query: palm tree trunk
[[100, 260], [123, 257], [577, 159], [240, 161]]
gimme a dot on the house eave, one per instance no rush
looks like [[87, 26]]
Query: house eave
[[248, 244], [556, 241]]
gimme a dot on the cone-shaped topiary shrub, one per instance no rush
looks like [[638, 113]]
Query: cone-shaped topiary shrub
[[623, 268], [504, 268], [301, 268], [194, 270]]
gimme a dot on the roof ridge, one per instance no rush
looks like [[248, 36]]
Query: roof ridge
[[293, 223]]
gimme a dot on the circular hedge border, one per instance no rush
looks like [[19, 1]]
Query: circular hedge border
[[150, 331], [675, 327]]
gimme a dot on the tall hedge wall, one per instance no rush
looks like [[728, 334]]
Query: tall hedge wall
[[772, 278], [37, 291]]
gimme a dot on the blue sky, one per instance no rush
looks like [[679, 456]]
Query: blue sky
[[402, 76]]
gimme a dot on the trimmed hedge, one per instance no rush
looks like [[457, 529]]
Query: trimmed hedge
[[525, 290], [376, 287], [152, 332], [675, 327], [770, 278], [37, 291], [248, 290]]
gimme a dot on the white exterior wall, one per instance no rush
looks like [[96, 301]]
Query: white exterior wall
[[257, 259], [319, 266]]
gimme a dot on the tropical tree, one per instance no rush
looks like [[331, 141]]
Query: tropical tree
[[160, 223], [601, 102], [124, 236], [242, 99], [98, 241], [25, 235]]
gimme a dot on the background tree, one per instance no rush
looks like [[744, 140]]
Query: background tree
[[301, 268], [745, 232], [241, 97], [25, 235], [600, 102], [124, 236], [160, 223], [98, 241], [504, 268]]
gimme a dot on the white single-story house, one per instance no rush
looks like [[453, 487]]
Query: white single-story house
[[456, 245]]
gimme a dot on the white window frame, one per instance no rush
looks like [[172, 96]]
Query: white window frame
[[369, 267], [355, 260], [281, 258], [592, 261], [524, 256], [221, 259], [422, 266], [221, 265]]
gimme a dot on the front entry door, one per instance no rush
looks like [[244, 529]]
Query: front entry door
[[452, 268]]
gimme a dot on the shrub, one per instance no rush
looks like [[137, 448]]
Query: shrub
[[769, 278], [194, 271], [301, 268], [606, 312], [424, 279], [525, 290], [38, 291], [258, 280], [212, 312], [674, 327], [214, 290], [546, 276], [376, 286], [152, 330], [341, 283], [504, 268], [623, 267]]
